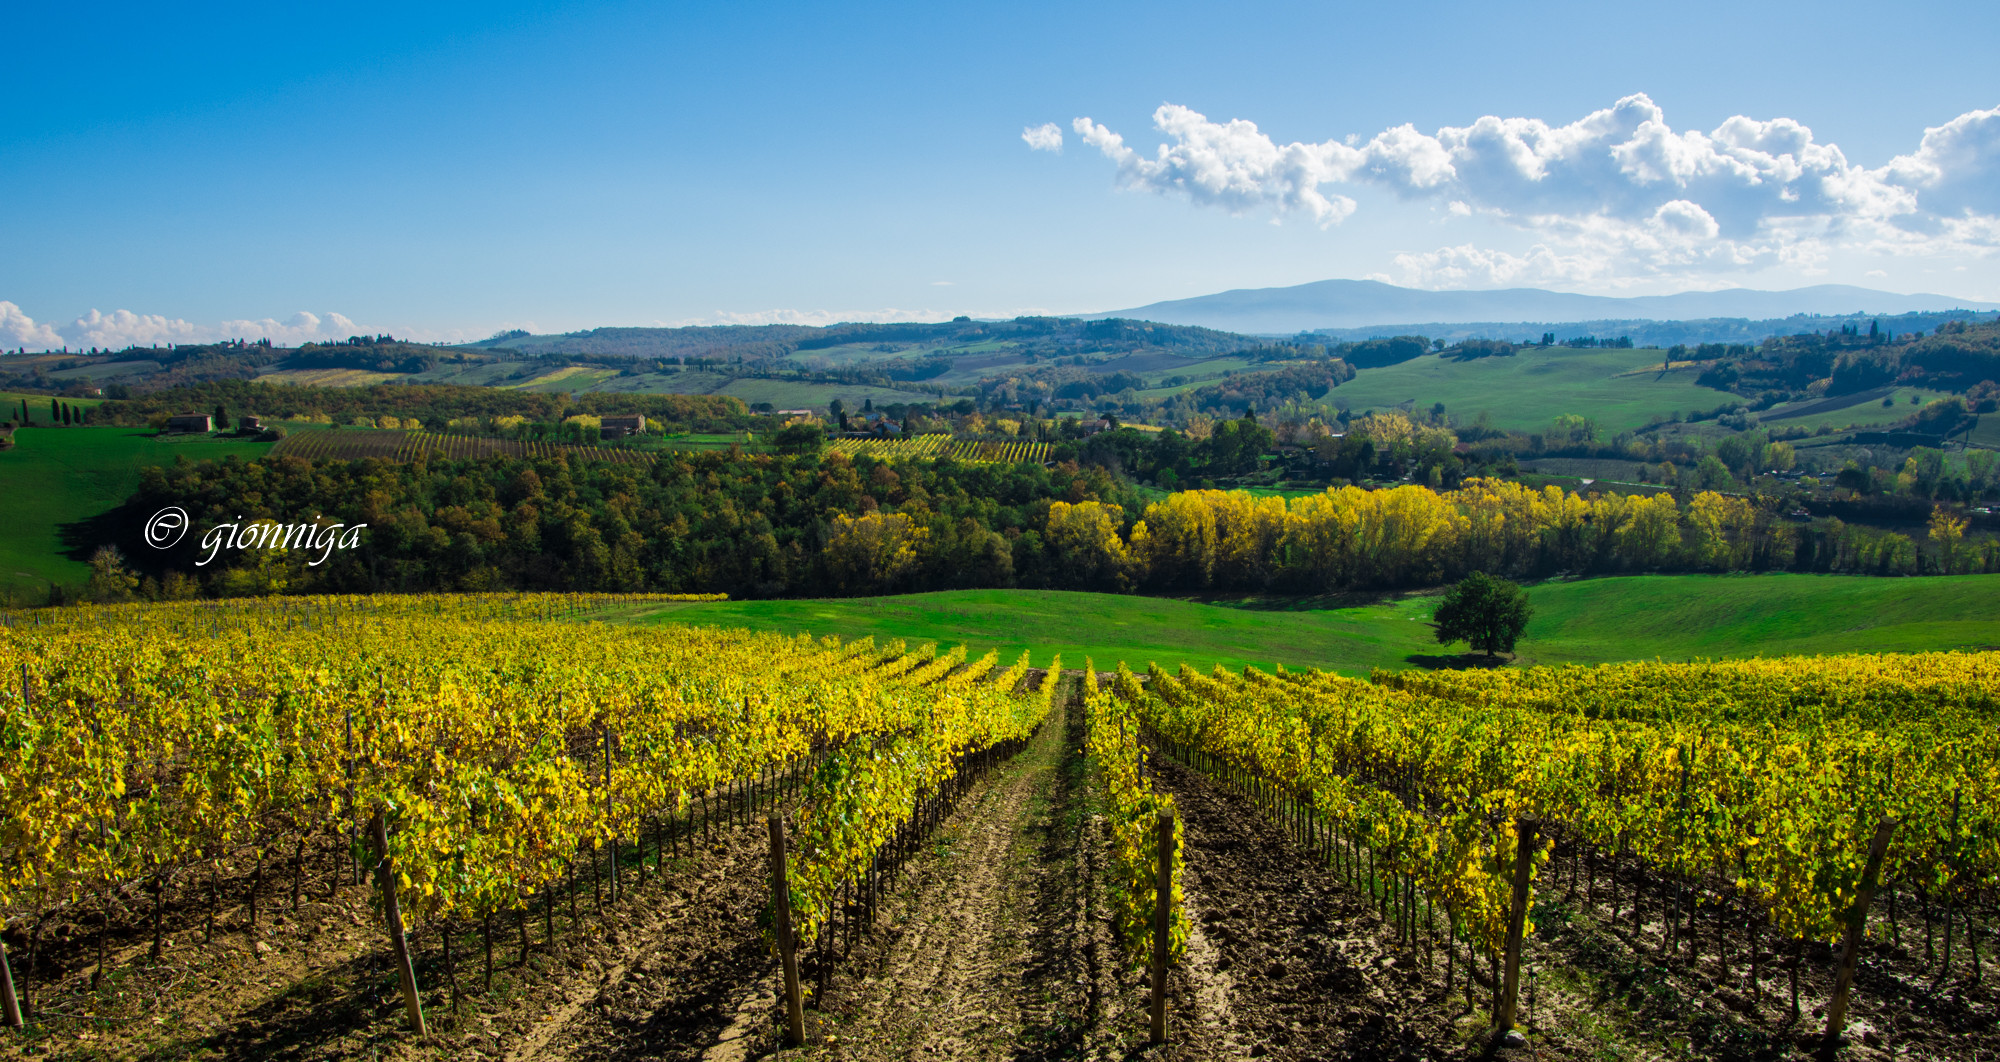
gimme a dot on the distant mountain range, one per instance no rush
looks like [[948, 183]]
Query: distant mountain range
[[1369, 304]]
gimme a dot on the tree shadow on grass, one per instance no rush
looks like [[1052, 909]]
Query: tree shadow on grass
[[1295, 602], [1457, 661], [122, 526]]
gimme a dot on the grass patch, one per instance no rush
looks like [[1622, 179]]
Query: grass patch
[[1527, 391], [328, 377], [1584, 622], [1682, 616], [38, 405]]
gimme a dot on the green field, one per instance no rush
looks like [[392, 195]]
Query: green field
[[782, 394], [38, 406], [1531, 388], [1869, 413], [56, 476], [1584, 622]]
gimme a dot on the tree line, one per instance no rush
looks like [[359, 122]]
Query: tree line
[[434, 404], [783, 525]]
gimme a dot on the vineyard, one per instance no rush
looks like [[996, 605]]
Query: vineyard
[[530, 820], [1712, 811], [478, 767], [943, 446], [351, 445]]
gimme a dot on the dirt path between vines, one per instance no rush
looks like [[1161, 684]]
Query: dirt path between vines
[[997, 945]]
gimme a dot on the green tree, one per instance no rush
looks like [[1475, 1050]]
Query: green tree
[[221, 417], [804, 437], [1487, 612]]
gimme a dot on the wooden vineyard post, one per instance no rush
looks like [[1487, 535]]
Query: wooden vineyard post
[[1517, 917], [1163, 903], [7, 998], [1857, 926], [392, 914], [781, 906]]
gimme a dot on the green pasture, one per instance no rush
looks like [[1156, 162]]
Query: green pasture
[[1527, 391], [57, 476], [1584, 622], [1869, 413], [38, 406]]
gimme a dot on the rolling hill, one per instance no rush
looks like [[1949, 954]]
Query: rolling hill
[[1340, 304]]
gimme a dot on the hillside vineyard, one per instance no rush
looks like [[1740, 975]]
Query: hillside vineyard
[[487, 754], [493, 756]]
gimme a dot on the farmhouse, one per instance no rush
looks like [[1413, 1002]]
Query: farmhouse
[[190, 422], [634, 423]]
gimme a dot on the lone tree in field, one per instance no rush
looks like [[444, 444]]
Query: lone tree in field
[[1487, 612]]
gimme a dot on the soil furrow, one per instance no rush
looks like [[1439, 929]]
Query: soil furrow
[[1284, 962]]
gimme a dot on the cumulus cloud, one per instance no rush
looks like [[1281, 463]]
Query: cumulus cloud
[[18, 330], [1232, 166], [1618, 192], [123, 328], [301, 327], [1044, 137], [120, 329]]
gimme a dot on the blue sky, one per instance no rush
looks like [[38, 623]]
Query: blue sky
[[445, 171]]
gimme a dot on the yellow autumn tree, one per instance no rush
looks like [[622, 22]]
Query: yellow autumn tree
[[1084, 543], [1179, 547], [1721, 529], [872, 552], [1948, 534], [1653, 534]]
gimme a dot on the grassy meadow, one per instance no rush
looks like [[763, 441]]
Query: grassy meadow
[[1584, 622], [1526, 391]]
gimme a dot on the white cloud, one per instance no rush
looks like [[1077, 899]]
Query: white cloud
[[17, 330], [1231, 166], [301, 327], [120, 329], [1044, 137], [1616, 193], [1955, 171], [123, 328]]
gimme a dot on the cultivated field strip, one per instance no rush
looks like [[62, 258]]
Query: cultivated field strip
[[939, 445], [392, 445]]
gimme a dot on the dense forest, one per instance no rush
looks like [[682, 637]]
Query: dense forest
[[771, 525], [1958, 356]]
